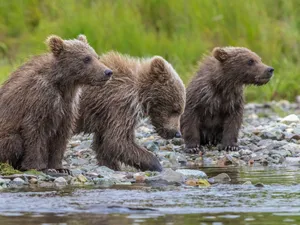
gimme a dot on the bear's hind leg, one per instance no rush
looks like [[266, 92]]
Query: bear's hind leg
[[11, 150]]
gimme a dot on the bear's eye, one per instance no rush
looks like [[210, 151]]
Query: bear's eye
[[87, 59], [250, 62]]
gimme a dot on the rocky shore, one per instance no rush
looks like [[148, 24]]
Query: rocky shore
[[270, 136]]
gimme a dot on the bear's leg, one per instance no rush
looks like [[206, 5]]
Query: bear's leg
[[231, 129], [111, 153], [191, 135], [35, 151], [57, 146], [11, 150], [105, 157]]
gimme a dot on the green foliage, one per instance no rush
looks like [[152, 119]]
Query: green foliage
[[6, 169], [179, 30]]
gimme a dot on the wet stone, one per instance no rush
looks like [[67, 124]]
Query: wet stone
[[222, 178], [167, 177], [192, 173], [60, 181], [18, 181]]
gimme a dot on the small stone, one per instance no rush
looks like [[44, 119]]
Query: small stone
[[247, 183], [104, 182], [46, 184], [33, 181], [139, 177], [82, 178], [18, 181], [221, 178], [167, 177], [197, 182], [192, 173], [2, 181], [60, 181], [290, 119], [259, 185]]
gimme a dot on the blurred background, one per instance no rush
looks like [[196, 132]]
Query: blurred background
[[181, 31]]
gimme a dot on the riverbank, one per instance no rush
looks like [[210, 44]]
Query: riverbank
[[270, 136]]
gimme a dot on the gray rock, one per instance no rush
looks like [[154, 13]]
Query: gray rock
[[105, 182], [18, 181], [167, 177], [60, 181], [152, 146], [2, 181], [192, 173], [221, 178], [290, 119]]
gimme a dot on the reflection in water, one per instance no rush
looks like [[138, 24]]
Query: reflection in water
[[277, 202], [140, 219]]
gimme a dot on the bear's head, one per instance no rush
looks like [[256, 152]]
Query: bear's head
[[240, 65], [165, 97], [79, 60]]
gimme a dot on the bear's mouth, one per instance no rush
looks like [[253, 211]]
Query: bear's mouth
[[166, 133], [262, 80]]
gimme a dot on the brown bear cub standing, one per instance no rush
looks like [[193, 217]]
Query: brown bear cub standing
[[39, 101], [214, 107], [139, 87]]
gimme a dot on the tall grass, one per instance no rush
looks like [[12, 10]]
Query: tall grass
[[179, 30]]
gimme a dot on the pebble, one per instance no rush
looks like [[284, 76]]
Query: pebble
[[290, 119], [33, 181], [18, 181], [167, 177], [221, 178], [60, 181], [192, 173]]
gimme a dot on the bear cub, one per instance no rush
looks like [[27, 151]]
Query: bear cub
[[214, 105], [39, 103], [139, 88]]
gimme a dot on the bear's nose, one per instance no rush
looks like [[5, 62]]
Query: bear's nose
[[270, 70], [108, 73], [178, 134]]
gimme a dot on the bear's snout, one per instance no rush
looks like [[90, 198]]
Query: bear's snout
[[178, 134], [270, 71], [108, 73]]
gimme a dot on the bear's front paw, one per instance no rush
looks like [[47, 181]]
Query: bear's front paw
[[152, 165], [57, 172], [232, 147], [193, 149]]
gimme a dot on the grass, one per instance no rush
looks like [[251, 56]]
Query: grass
[[180, 31]]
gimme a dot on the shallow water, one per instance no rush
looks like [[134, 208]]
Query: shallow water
[[278, 202]]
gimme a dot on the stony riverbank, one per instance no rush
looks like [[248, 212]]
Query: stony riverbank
[[270, 136]]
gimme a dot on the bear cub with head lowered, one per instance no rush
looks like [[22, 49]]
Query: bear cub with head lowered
[[139, 88], [215, 103], [39, 101]]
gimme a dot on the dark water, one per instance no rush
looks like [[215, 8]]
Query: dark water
[[277, 202]]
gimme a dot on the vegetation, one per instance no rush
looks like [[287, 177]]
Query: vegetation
[[6, 169], [179, 30]]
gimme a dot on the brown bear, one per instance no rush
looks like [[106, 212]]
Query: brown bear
[[139, 88], [39, 103], [214, 104]]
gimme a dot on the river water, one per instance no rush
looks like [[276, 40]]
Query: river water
[[277, 201]]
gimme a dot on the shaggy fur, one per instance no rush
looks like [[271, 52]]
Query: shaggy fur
[[39, 103], [139, 87], [214, 108]]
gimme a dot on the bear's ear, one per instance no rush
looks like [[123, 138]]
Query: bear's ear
[[82, 38], [159, 69], [56, 44], [220, 54]]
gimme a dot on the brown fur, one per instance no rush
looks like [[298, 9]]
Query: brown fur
[[39, 101], [214, 108], [139, 87]]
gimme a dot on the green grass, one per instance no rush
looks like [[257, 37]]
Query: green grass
[[179, 30]]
